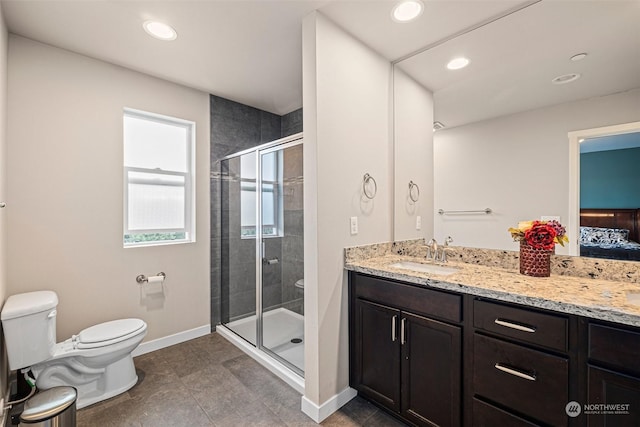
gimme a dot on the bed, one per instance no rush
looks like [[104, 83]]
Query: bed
[[610, 233]]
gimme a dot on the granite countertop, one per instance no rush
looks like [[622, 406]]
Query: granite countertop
[[594, 298]]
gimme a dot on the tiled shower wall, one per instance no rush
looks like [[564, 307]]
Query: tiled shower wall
[[292, 241], [236, 127]]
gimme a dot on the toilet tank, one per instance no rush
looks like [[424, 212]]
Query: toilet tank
[[29, 323]]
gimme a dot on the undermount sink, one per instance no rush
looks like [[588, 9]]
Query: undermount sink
[[633, 297], [425, 268]]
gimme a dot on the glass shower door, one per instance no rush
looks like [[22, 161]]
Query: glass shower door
[[282, 252], [238, 245]]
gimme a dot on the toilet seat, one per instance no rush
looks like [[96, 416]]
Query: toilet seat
[[108, 333]]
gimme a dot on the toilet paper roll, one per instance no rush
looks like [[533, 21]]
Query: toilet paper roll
[[154, 285]]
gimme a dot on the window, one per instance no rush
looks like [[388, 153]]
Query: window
[[158, 179], [271, 195]]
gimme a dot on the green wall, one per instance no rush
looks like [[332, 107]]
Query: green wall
[[610, 179]]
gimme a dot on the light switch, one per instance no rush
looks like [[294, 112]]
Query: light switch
[[354, 225], [418, 222]]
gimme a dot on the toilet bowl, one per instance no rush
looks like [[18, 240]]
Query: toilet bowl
[[97, 361], [99, 365]]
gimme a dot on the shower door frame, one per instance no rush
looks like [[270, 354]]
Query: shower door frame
[[278, 145], [273, 146]]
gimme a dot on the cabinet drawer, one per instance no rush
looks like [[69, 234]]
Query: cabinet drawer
[[615, 347], [531, 382], [525, 325], [419, 300], [485, 415]]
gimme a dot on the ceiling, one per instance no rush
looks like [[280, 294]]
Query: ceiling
[[251, 51], [514, 59], [247, 51]]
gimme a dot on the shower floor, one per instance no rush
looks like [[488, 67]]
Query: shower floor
[[279, 326]]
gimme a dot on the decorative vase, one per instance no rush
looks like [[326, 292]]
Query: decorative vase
[[534, 262]]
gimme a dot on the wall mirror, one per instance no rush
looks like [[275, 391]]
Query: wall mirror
[[534, 76]]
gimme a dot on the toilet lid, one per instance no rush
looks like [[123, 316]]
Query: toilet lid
[[110, 331]]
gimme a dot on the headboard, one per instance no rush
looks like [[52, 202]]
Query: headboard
[[612, 218]]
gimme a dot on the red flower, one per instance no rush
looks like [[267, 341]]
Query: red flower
[[540, 236]]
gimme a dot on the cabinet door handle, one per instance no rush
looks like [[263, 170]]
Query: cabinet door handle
[[402, 338], [515, 372], [507, 324], [393, 327]]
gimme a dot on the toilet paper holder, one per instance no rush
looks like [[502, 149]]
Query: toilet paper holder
[[144, 279]]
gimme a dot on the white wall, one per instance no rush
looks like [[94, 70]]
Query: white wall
[[3, 193], [346, 95], [517, 165], [413, 157], [65, 185]]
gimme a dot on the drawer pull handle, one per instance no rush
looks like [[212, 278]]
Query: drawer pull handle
[[393, 327], [515, 372], [516, 326], [402, 338]]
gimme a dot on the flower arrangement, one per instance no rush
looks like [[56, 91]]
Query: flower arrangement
[[540, 234]]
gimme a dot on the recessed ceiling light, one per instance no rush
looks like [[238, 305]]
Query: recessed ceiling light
[[578, 56], [458, 63], [160, 30], [566, 78], [407, 10]]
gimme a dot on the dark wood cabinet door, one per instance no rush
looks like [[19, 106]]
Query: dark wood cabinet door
[[377, 353], [431, 369], [609, 387]]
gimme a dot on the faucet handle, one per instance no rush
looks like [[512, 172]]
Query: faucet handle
[[432, 249], [429, 245], [443, 257]]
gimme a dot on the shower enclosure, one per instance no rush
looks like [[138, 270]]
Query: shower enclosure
[[262, 259]]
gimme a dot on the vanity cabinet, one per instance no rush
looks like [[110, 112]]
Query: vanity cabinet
[[439, 358], [405, 353]]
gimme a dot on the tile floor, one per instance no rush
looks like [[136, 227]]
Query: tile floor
[[209, 382]]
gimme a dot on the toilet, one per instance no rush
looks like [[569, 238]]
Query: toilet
[[97, 361]]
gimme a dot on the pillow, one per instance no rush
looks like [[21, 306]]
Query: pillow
[[607, 236]]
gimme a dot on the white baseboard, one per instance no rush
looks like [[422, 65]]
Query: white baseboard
[[320, 413], [157, 344]]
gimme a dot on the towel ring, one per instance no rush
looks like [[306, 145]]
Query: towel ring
[[365, 183], [412, 186]]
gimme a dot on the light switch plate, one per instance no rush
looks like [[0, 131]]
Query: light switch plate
[[354, 225], [418, 222], [550, 218]]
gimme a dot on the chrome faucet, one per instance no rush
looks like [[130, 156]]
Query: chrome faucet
[[432, 249], [438, 253]]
